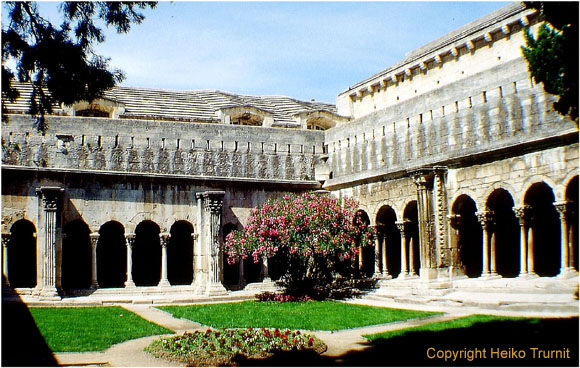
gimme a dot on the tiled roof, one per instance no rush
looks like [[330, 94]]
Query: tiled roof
[[187, 105]]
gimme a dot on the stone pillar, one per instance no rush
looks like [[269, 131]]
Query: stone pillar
[[130, 242], [264, 270], [208, 278], [521, 214], [194, 265], [164, 240], [385, 270], [439, 221], [94, 240], [378, 270], [493, 261], [412, 271], [486, 220], [455, 223], [565, 256], [5, 241], [531, 269], [241, 278], [423, 179], [401, 227], [49, 239]]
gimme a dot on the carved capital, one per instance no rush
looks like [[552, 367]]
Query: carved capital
[[164, 239], [423, 178], [50, 197], [130, 239], [455, 221], [212, 200], [401, 225], [485, 218], [522, 213], [94, 239], [562, 208], [6, 239]]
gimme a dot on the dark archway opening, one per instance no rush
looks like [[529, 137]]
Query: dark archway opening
[[111, 255], [368, 251], [231, 273], [388, 234], [572, 219], [77, 256], [469, 236], [411, 217], [180, 254], [147, 254], [507, 233], [22, 255], [545, 223]]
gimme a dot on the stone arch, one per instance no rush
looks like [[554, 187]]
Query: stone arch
[[506, 231], [367, 252], [468, 235], [544, 224], [22, 271], [111, 255], [147, 254], [411, 219], [180, 253], [535, 179], [231, 272], [502, 186], [389, 235], [571, 196], [77, 256]]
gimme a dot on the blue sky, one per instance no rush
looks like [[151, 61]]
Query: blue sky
[[305, 50]]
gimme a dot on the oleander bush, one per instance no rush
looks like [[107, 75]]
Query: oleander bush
[[310, 239]]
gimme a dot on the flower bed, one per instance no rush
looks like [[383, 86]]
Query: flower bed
[[221, 347], [268, 296]]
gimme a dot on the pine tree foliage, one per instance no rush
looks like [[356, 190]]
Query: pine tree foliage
[[59, 61], [552, 55]]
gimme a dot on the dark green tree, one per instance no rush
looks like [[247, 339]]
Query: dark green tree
[[552, 55], [59, 61]]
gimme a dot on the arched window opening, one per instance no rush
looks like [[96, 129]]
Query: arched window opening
[[389, 238], [507, 233], [77, 256], [367, 251], [247, 118], [411, 218], [231, 272], [93, 113], [180, 254], [22, 255], [111, 255], [147, 254], [544, 235], [468, 236]]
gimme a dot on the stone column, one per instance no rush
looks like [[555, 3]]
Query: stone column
[[94, 240], [264, 270], [130, 242], [521, 213], [241, 278], [5, 241], [412, 271], [378, 270], [50, 238], [565, 266], [209, 280], [195, 238], [486, 220], [385, 270], [455, 223], [493, 261], [531, 269], [401, 227], [164, 240], [439, 221], [423, 179]]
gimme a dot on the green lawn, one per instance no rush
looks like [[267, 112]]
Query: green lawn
[[90, 329], [463, 322], [313, 315]]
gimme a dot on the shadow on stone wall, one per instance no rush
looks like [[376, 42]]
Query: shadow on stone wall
[[411, 348], [22, 342]]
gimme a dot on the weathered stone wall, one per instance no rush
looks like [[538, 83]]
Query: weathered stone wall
[[488, 113], [157, 147]]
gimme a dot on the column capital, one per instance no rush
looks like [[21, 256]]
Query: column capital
[[401, 225], [212, 200], [522, 213], [6, 239], [130, 239], [562, 208], [164, 238], [486, 218], [423, 178], [455, 221], [50, 197]]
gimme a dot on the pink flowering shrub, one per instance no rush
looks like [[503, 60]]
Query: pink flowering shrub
[[309, 237]]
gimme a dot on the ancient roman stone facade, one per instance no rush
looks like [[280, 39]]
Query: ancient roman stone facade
[[454, 154]]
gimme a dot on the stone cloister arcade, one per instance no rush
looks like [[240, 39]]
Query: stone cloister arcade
[[489, 239]]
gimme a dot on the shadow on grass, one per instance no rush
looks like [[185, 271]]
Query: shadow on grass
[[411, 348], [22, 342]]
